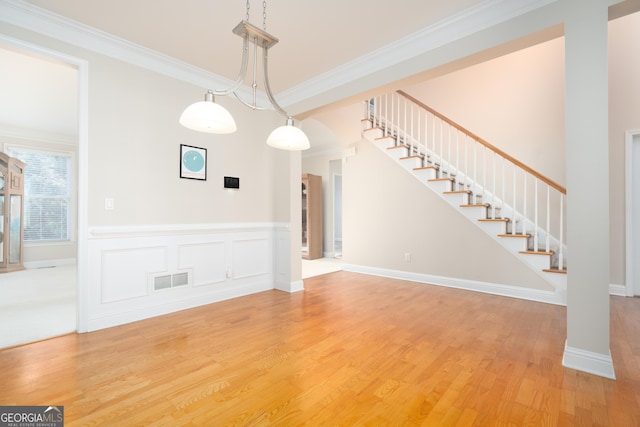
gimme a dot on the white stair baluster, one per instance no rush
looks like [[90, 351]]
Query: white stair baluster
[[475, 171], [524, 204], [560, 243], [548, 236], [493, 191], [513, 230], [535, 215]]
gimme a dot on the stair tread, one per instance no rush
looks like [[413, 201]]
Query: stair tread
[[474, 205], [514, 235], [398, 146], [441, 179], [555, 270], [458, 192], [415, 156], [494, 219], [425, 167], [537, 253]]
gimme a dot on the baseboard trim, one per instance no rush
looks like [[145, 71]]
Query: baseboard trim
[[618, 290], [537, 295], [121, 318], [295, 286], [588, 361], [49, 263]]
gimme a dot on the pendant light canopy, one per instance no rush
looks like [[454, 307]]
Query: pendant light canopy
[[207, 116]]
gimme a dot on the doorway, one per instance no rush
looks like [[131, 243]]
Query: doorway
[[40, 301], [335, 166], [632, 197]]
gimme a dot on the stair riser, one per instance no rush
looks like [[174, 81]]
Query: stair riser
[[398, 152], [372, 133], [539, 262], [515, 244], [457, 199], [495, 228], [426, 174], [386, 142], [440, 186], [411, 163], [475, 213]]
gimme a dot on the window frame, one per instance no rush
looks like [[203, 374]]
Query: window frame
[[54, 150]]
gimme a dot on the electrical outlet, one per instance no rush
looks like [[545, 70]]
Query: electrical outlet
[[108, 204], [407, 257]]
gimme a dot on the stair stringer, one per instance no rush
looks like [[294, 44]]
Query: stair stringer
[[442, 185]]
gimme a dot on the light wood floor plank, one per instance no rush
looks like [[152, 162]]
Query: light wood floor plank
[[349, 350]]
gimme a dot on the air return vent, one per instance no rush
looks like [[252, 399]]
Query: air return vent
[[166, 281], [162, 282], [180, 279]]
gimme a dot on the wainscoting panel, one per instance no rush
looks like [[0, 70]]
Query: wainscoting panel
[[252, 257], [139, 272], [207, 260], [124, 271]]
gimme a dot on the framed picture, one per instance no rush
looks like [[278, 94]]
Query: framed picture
[[193, 162]]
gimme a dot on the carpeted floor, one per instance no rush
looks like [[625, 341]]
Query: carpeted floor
[[316, 267], [37, 304]]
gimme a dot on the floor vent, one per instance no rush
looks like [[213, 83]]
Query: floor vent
[[167, 281]]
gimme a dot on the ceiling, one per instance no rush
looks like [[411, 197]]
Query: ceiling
[[314, 37]]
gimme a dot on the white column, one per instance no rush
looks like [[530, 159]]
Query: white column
[[288, 247], [587, 152]]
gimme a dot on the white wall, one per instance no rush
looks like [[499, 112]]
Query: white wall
[[388, 213], [516, 102], [624, 115], [133, 157]]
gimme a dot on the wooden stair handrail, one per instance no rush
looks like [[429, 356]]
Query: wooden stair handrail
[[496, 150]]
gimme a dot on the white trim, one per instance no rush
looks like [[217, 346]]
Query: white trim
[[83, 160], [178, 304], [629, 279], [617, 290], [295, 286], [468, 22], [181, 229], [588, 361], [36, 135], [537, 295], [34, 18], [33, 265]]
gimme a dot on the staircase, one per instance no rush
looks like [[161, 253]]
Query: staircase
[[520, 208]]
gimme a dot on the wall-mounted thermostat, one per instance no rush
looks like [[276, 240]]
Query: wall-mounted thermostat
[[231, 182]]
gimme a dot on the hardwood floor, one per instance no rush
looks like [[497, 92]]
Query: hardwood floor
[[350, 350]]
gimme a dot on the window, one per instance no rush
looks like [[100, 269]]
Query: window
[[47, 194]]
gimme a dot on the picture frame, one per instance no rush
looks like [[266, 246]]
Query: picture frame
[[193, 162]]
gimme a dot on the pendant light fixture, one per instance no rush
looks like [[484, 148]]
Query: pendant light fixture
[[207, 116]]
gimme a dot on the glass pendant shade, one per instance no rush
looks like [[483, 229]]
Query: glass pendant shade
[[288, 137], [207, 116]]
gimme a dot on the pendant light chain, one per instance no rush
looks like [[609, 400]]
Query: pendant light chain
[[264, 15]]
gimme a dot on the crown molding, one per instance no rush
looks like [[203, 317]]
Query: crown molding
[[466, 23], [470, 21], [38, 20]]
